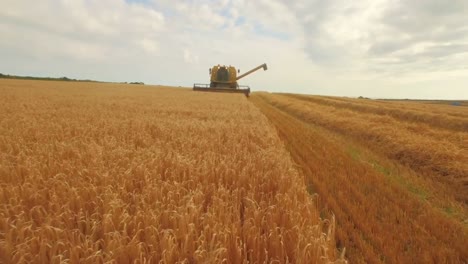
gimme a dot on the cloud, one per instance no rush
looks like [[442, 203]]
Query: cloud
[[94, 29], [189, 57], [149, 46], [335, 47], [365, 35], [422, 33]]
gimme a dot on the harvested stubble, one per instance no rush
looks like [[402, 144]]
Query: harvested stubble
[[441, 116], [383, 211], [92, 173], [438, 153]]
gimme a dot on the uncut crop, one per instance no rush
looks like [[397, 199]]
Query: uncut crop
[[91, 173]]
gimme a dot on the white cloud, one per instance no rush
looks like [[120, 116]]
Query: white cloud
[[150, 46], [189, 57], [93, 29], [335, 47]]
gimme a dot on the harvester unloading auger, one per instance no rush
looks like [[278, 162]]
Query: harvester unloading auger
[[224, 79]]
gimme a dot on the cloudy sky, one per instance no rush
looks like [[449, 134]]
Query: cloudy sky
[[374, 48]]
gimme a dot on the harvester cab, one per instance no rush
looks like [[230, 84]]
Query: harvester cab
[[224, 79]]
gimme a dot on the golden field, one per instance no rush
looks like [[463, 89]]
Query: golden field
[[114, 173], [95, 173], [394, 174]]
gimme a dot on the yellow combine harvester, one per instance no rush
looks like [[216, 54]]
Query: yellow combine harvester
[[224, 79]]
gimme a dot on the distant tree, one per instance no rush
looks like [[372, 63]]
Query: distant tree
[[64, 78]]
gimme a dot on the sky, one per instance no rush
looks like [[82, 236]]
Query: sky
[[415, 49]]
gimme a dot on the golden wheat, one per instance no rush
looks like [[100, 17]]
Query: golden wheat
[[91, 173]]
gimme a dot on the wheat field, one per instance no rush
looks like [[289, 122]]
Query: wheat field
[[98, 173], [114, 173]]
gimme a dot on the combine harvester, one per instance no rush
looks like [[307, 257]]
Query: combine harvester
[[224, 79]]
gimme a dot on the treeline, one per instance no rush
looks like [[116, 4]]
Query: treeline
[[65, 79], [142, 83]]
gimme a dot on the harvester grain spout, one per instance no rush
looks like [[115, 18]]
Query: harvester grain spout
[[264, 66], [224, 79]]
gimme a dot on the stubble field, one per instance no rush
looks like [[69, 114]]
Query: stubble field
[[94, 173], [395, 174]]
